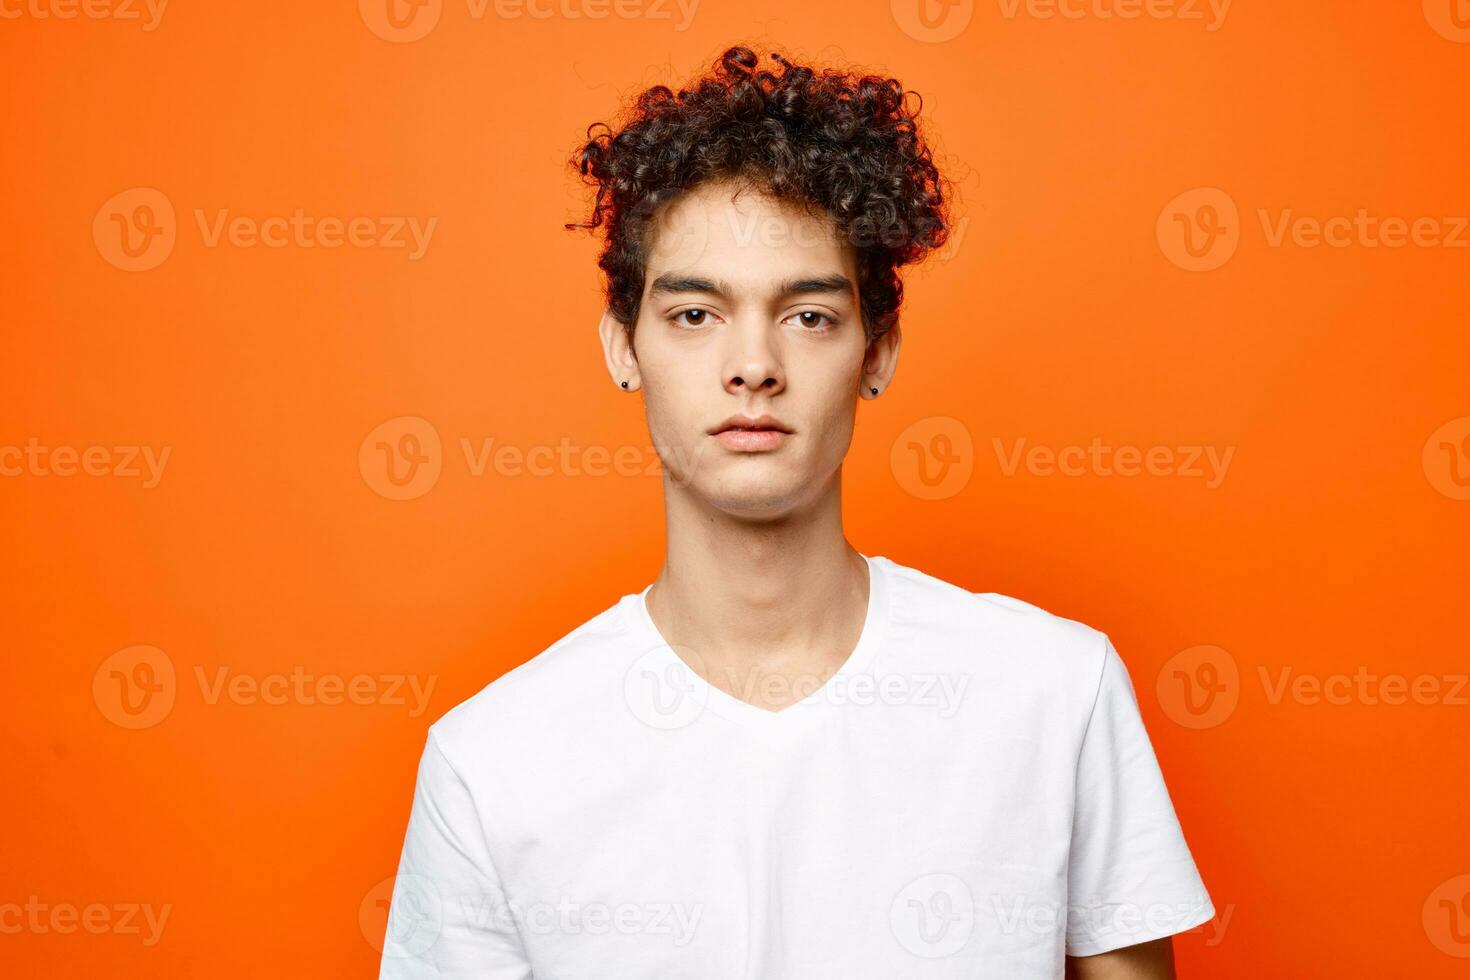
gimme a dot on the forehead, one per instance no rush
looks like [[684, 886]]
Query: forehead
[[744, 236]]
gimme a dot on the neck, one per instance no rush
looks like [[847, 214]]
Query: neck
[[755, 599]]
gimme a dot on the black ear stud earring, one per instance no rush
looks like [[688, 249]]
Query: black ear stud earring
[[873, 390], [625, 384]]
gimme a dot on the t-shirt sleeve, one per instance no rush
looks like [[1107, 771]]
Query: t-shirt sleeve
[[449, 916], [1131, 877]]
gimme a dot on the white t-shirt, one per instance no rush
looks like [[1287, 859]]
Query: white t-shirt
[[972, 793]]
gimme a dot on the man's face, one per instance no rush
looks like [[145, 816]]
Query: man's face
[[750, 308]]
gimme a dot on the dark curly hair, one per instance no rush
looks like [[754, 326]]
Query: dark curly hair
[[832, 140]]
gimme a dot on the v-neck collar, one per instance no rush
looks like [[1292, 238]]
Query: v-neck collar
[[661, 659]]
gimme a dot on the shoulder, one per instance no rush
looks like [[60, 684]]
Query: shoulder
[[569, 679], [946, 626], [920, 601]]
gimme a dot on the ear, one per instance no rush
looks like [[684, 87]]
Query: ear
[[880, 363], [617, 350]]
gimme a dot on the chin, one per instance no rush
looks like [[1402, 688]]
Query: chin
[[755, 495]]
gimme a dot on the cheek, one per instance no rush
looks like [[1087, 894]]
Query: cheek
[[671, 401], [834, 419], [838, 435]]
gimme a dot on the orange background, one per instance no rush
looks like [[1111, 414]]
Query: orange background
[[1333, 835]]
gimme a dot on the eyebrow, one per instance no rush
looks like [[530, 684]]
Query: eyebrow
[[671, 282]]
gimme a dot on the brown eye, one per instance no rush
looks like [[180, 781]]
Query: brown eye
[[695, 317], [814, 320]]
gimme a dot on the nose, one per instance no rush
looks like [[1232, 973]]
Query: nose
[[752, 360]]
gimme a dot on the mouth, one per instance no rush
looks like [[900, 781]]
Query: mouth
[[743, 433]]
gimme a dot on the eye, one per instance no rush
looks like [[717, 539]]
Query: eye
[[814, 320], [696, 317]]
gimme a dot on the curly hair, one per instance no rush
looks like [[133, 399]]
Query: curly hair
[[832, 140]]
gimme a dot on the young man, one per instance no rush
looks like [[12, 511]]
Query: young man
[[784, 758]]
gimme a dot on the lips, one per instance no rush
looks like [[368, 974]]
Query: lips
[[747, 423], [750, 433]]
